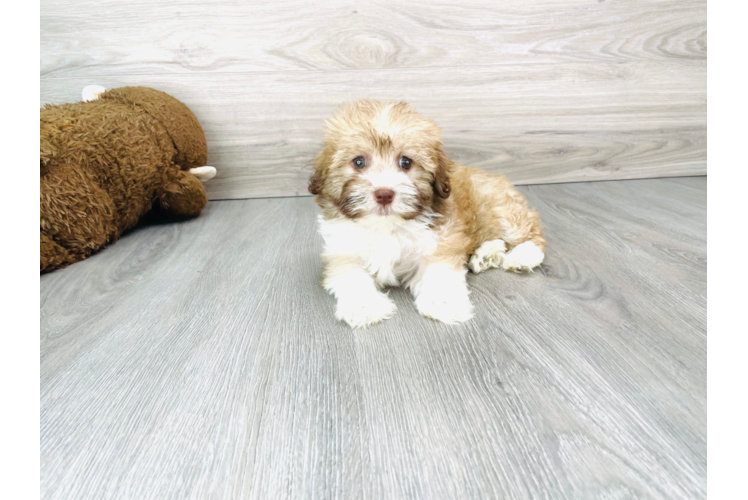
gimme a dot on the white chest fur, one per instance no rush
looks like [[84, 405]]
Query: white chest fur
[[390, 248]]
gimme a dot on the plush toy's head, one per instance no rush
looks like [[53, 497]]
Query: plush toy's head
[[180, 123], [107, 161]]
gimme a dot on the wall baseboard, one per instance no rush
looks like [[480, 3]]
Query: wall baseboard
[[727, 47]]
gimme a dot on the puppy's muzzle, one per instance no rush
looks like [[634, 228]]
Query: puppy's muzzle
[[384, 196]]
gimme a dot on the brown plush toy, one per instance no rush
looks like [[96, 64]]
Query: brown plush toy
[[106, 162]]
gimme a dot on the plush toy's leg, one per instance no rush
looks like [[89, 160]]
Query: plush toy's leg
[[182, 194], [51, 255], [76, 216]]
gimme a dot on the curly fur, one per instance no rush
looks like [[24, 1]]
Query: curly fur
[[441, 214]]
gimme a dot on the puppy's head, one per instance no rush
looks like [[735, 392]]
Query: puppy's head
[[380, 159]]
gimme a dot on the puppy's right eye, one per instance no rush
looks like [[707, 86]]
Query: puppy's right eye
[[359, 162]]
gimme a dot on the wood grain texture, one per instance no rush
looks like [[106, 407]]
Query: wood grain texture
[[545, 91], [537, 123], [202, 360], [106, 38]]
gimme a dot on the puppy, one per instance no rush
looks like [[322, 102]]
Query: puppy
[[397, 211]]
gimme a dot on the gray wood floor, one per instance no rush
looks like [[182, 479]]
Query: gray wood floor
[[201, 359]]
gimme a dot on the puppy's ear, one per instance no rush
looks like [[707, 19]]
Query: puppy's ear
[[444, 166], [316, 182], [321, 165]]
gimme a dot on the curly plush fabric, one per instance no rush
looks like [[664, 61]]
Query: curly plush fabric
[[105, 163]]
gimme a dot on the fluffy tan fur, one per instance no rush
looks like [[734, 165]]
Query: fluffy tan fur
[[465, 207], [475, 206]]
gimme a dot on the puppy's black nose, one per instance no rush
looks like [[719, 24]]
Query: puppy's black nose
[[384, 196]]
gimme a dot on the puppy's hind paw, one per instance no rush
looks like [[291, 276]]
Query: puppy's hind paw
[[524, 257], [489, 254]]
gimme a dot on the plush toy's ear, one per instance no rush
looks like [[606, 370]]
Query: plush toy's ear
[[444, 167]]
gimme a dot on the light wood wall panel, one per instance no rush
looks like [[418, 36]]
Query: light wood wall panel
[[93, 38], [541, 91]]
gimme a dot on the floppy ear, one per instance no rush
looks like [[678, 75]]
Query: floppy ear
[[444, 165], [317, 179], [315, 183]]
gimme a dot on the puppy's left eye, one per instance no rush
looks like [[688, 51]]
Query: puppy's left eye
[[405, 163], [359, 162]]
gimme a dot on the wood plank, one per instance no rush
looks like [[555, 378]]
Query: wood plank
[[106, 38], [202, 360], [537, 123]]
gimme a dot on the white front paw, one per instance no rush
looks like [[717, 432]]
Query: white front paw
[[363, 310], [448, 305]]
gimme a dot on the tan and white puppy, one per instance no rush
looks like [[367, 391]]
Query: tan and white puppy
[[397, 211]]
